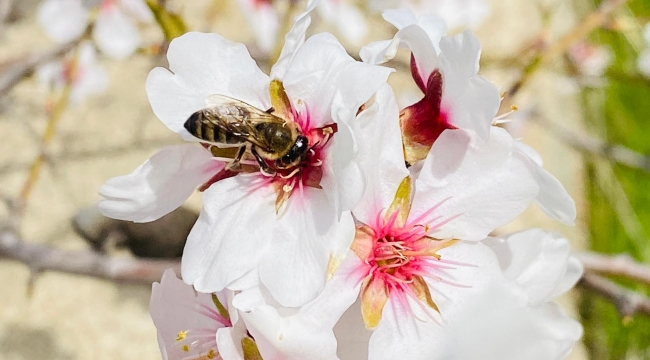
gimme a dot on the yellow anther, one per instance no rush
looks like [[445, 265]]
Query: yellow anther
[[181, 335], [514, 108], [185, 348], [211, 354]]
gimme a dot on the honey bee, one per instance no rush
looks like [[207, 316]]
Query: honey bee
[[227, 122]]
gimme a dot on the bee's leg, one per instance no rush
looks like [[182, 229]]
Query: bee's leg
[[270, 110], [235, 164], [264, 168]]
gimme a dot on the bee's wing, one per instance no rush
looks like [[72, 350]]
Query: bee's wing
[[242, 126], [256, 115]]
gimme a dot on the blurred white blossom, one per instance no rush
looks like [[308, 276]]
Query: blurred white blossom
[[81, 71], [457, 14], [114, 23], [264, 19]]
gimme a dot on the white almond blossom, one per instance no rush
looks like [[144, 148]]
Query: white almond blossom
[[114, 30], [507, 313], [284, 229], [430, 287], [226, 326], [264, 20], [455, 97], [81, 71]]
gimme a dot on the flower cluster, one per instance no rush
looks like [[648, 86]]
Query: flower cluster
[[113, 27], [324, 203], [349, 20]]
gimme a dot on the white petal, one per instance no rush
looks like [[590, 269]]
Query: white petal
[[553, 199], [307, 334], [470, 101], [229, 342], [490, 320], [352, 335], [375, 52], [173, 308], [231, 235], [63, 20], [293, 41], [536, 260], [343, 179], [202, 65], [400, 18], [400, 335], [420, 35], [380, 154], [115, 34], [486, 187], [295, 267], [158, 186], [320, 68], [530, 153], [571, 277]]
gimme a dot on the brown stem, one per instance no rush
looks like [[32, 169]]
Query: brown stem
[[22, 68], [53, 119], [43, 257], [587, 144], [626, 301], [620, 265]]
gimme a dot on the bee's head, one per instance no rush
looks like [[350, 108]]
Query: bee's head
[[299, 148]]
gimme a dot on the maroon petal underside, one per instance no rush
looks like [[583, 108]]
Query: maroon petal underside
[[423, 122]]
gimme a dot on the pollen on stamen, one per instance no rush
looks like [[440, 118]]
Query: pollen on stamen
[[500, 119], [404, 258]]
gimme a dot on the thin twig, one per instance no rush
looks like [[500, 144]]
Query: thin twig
[[15, 73], [626, 301], [587, 144], [619, 265], [48, 135], [591, 22], [40, 258], [81, 155]]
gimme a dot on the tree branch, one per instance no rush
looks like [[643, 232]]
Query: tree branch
[[587, 144], [626, 301], [40, 257], [22, 68], [545, 54], [619, 265]]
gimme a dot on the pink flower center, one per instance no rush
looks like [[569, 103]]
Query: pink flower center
[[401, 253], [401, 260]]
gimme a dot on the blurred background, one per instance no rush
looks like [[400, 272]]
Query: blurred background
[[74, 113]]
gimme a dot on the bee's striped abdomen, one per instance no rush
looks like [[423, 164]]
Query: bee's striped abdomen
[[199, 125]]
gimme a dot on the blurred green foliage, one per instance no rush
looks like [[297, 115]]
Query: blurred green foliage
[[618, 197], [171, 24]]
